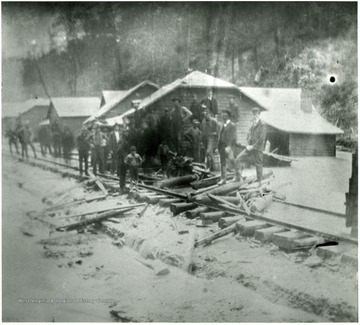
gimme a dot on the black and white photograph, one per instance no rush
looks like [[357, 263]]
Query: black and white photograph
[[179, 162]]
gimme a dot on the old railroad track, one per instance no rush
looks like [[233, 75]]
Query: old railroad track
[[232, 215]]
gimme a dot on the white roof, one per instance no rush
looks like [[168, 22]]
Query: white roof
[[283, 111], [75, 106]]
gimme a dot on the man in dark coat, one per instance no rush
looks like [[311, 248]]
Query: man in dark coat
[[226, 143], [68, 144], [123, 149], [179, 116], [253, 153], [83, 146], [234, 109], [56, 132], [45, 139], [13, 139], [210, 103], [196, 109], [192, 138]]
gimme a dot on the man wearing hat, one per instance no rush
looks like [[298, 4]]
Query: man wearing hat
[[254, 150], [196, 108], [179, 115], [96, 140], [83, 147], [210, 103], [192, 138], [210, 131], [226, 143], [114, 140], [234, 109]]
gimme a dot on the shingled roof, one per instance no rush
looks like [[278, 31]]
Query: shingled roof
[[283, 111], [75, 106]]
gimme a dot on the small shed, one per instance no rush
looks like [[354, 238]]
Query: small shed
[[118, 102], [9, 114], [35, 111], [72, 111], [294, 126]]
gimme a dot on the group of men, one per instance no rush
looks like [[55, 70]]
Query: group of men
[[212, 130], [100, 145]]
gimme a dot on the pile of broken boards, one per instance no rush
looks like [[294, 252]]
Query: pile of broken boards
[[210, 203]]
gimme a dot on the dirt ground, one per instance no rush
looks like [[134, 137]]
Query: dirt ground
[[109, 279]]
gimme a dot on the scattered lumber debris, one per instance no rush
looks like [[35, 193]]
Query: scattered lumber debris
[[103, 210], [177, 208], [212, 216], [273, 159], [221, 233], [228, 221], [99, 184], [192, 214], [176, 181], [101, 217]]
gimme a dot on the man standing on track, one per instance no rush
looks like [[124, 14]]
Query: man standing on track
[[83, 147], [254, 151], [226, 143]]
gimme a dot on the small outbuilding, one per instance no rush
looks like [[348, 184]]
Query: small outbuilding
[[35, 112], [115, 103], [294, 126], [72, 111]]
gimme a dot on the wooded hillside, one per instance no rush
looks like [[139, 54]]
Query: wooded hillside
[[83, 48]]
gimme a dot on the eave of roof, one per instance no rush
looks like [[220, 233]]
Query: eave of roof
[[118, 99]]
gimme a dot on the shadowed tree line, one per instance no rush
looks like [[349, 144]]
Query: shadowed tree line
[[96, 46]]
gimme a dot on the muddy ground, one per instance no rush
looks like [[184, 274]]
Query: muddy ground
[[91, 276]]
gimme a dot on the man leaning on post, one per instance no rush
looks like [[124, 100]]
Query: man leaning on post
[[254, 150]]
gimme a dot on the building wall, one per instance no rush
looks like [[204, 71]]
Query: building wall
[[74, 123], [35, 115], [125, 105], [312, 145], [8, 123]]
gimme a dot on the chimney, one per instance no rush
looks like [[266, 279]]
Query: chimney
[[306, 101]]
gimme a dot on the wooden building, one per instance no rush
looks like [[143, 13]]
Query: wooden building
[[294, 126], [10, 111], [194, 83], [72, 111], [117, 102], [35, 112]]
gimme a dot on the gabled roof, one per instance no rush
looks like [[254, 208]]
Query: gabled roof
[[118, 99], [17, 108], [283, 111], [75, 106], [195, 79], [110, 94]]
